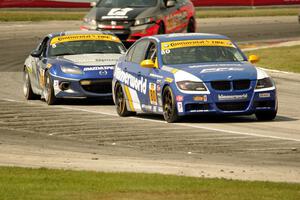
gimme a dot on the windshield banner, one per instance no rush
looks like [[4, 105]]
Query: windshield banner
[[195, 43], [72, 38]]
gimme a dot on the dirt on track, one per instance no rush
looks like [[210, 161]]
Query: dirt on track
[[89, 135]]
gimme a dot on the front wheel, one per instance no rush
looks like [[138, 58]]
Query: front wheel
[[169, 106], [49, 91], [27, 89], [121, 102], [266, 115]]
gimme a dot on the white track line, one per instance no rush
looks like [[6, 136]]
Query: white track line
[[177, 124]]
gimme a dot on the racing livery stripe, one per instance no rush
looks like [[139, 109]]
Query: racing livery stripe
[[135, 99], [70, 38], [193, 43], [129, 98]]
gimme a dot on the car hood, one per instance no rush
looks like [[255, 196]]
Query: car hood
[[113, 15], [88, 59], [216, 71]]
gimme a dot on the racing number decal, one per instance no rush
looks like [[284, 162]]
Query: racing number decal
[[152, 94]]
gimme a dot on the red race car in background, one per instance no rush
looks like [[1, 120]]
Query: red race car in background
[[132, 19]]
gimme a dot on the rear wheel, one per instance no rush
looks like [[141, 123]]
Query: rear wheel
[[27, 89], [191, 28], [49, 91], [266, 115], [121, 102], [169, 106]]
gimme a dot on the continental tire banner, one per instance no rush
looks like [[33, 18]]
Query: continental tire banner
[[86, 3]]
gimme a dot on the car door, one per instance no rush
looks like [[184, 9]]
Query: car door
[[135, 56], [176, 17], [154, 78], [39, 63]]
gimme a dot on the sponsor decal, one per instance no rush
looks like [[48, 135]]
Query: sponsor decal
[[119, 11], [86, 69], [194, 43], [215, 65], [152, 94], [180, 107], [71, 38], [55, 83], [179, 98], [264, 95], [223, 69], [139, 84], [169, 80], [223, 97], [200, 98]]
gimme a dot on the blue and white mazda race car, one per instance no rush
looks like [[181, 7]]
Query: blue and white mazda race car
[[72, 64], [187, 74]]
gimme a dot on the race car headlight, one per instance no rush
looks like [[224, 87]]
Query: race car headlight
[[90, 21], [71, 70], [264, 83], [191, 86], [146, 20]]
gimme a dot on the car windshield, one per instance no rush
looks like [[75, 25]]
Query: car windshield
[[126, 3], [86, 47], [200, 51]]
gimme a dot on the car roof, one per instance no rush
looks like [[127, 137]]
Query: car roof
[[84, 32], [188, 36]]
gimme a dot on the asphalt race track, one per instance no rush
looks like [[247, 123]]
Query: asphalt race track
[[89, 135]]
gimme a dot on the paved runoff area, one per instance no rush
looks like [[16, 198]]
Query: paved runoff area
[[88, 134]]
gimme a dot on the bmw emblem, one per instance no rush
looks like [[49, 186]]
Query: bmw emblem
[[113, 23], [103, 72]]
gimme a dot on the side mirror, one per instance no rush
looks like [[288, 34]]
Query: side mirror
[[93, 4], [253, 59], [35, 53], [148, 64], [171, 3]]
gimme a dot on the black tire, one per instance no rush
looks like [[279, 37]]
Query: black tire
[[169, 106], [49, 91], [191, 28], [161, 29], [121, 102], [266, 115], [27, 89]]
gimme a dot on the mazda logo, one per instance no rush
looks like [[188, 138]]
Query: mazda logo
[[103, 72]]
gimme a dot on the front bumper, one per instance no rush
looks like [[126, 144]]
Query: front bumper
[[211, 103], [76, 88], [127, 34]]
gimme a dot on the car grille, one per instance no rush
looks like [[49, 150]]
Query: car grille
[[228, 85], [236, 106], [101, 86], [264, 104], [196, 107]]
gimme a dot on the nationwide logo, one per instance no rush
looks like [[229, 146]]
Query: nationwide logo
[[222, 97], [139, 84]]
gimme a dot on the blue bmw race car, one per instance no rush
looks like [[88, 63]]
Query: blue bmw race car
[[72, 64], [187, 74]]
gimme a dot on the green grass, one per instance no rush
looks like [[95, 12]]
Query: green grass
[[282, 58], [78, 14], [45, 184]]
